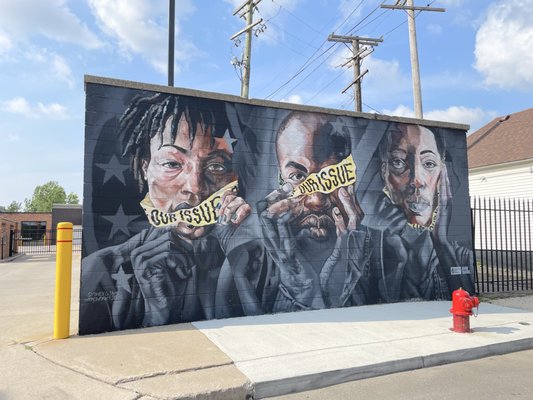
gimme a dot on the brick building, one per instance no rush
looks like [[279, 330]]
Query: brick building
[[8, 244], [30, 225]]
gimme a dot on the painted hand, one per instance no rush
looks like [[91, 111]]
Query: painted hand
[[440, 232], [297, 274], [349, 253], [233, 209], [159, 264]]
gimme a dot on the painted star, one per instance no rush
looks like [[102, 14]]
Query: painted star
[[120, 222], [113, 169], [122, 279], [229, 140]]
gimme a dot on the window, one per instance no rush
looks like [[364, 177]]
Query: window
[[32, 230]]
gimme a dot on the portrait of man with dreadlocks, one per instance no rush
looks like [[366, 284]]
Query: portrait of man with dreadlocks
[[181, 157]]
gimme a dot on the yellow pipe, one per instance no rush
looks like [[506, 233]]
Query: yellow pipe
[[63, 280]]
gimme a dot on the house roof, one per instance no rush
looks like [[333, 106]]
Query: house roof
[[504, 139]]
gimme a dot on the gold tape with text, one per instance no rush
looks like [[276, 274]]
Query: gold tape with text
[[205, 213], [328, 178]]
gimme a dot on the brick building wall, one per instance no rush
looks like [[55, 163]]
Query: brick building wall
[[28, 217], [6, 227]]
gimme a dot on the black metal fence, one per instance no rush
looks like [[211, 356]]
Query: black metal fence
[[45, 242], [502, 240]]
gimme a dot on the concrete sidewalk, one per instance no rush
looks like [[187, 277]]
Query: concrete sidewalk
[[253, 357]]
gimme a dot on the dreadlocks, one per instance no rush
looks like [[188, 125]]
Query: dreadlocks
[[147, 116]]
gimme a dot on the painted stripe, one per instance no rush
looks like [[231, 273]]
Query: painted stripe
[[63, 241]]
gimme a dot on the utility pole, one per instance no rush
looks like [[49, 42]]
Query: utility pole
[[246, 65], [171, 29], [410, 8], [358, 55]]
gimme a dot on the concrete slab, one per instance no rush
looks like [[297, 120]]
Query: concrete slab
[[286, 353], [130, 355], [27, 298], [218, 383], [276, 354], [27, 376]]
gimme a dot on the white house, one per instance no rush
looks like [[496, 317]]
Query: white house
[[500, 163], [500, 157]]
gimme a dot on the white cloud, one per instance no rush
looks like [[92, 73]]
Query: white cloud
[[55, 64], [462, 115], [435, 29], [384, 80], [272, 34], [19, 105], [474, 117], [13, 137], [52, 19], [269, 9], [140, 27], [5, 43], [62, 70], [350, 12], [504, 45], [293, 98], [339, 58], [400, 111], [451, 3]]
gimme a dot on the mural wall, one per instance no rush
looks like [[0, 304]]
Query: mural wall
[[197, 208]]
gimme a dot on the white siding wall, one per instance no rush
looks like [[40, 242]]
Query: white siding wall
[[512, 181], [495, 228]]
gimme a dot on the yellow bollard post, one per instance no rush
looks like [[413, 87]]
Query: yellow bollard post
[[63, 280]]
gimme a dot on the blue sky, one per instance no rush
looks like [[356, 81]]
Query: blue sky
[[476, 62]]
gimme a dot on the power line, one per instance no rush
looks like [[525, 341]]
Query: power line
[[410, 8], [274, 78], [325, 87], [358, 54], [405, 21], [372, 108], [360, 22], [308, 62], [308, 75], [349, 16], [250, 5], [372, 20], [286, 32], [305, 66], [296, 17]]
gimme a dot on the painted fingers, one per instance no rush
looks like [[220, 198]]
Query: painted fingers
[[232, 209], [354, 213]]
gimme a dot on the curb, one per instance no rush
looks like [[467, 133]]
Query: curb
[[320, 380], [9, 259]]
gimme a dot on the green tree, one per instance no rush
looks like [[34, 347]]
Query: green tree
[[44, 197], [14, 206], [72, 198]]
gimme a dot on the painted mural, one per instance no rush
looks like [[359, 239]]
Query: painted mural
[[196, 208]]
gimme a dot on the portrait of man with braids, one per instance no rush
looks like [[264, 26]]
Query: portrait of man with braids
[[180, 151]]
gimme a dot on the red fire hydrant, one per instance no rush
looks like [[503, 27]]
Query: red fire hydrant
[[462, 304]]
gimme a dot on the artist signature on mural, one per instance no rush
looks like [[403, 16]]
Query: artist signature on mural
[[102, 295]]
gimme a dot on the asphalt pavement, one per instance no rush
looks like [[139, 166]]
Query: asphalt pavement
[[238, 358]]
